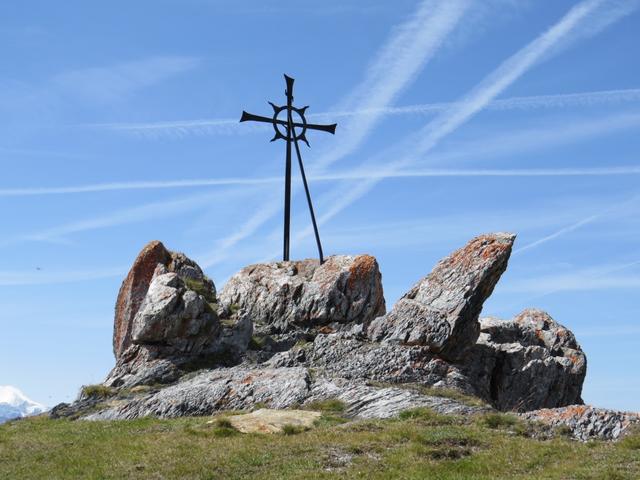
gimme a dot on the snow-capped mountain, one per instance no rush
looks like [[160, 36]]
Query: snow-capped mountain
[[15, 404]]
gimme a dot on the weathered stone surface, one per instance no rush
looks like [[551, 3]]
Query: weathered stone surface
[[283, 296], [585, 422], [441, 311], [142, 365], [135, 287], [174, 317], [241, 388], [216, 390], [527, 363], [342, 355], [366, 401], [133, 291], [165, 318], [267, 420]]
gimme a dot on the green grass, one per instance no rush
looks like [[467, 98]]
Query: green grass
[[500, 420], [331, 405], [420, 444], [201, 288]]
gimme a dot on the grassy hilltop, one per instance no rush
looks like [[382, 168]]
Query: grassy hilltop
[[419, 444]]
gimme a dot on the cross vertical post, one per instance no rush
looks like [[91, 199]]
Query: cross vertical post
[[287, 182], [292, 136]]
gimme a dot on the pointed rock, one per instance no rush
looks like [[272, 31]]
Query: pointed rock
[[154, 260], [166, 315], [133, 291], [441, 311]]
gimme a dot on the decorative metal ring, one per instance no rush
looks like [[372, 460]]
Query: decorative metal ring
[[300, 112]]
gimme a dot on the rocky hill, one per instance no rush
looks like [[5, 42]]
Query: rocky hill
[[288, 334]]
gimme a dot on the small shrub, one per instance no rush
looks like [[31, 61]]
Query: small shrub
[[98, 391], [257, 342], [564, 431], [223, 423], [453, 395], [333, 405], [201, 288], [428, 416], [499, 420], [329, 420], [292, 429]]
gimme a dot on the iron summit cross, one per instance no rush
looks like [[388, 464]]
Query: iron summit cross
[[290, 135]]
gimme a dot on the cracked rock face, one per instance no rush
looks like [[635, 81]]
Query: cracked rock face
[[241, 388], [173, 316], [527, 363], [284, 296], [165, 315], [441, 311], [183, 276]]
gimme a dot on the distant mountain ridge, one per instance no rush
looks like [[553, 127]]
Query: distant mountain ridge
[[15, 404]]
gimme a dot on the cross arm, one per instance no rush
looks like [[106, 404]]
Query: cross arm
[[250, 117]]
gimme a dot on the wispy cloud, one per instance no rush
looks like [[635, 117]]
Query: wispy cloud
[[228, 126], [111, 83], [576, 225], [559, 233], [592, 278], [410, 47], [554, 133], [359, 174], [126, 216], [566, 30]]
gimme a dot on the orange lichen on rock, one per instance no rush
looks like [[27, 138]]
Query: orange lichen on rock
[[133, 290], [361, 269]]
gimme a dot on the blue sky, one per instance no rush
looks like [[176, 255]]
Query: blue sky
[[455, 118]]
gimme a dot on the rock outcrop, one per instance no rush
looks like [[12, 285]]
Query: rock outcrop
[[441, 311], [285, 296], [527, 363], [241, 388], [584, 422], [291, 333], [133, 291], [166, 317], [163, 300], [265, 420]]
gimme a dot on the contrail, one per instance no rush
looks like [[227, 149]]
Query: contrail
[[228, 126], [411, 46], [580, 16], [349, 175], [120, 217], [559, 233], [592, 278], [142, 185], [576, 225]]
